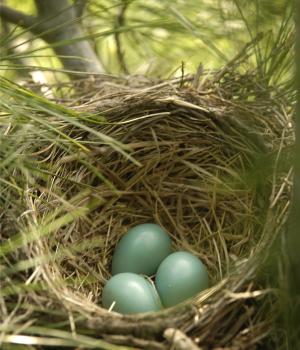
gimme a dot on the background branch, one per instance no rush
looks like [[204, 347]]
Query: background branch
[[9, 49], [79, 7], [120, 21], [16, 17]]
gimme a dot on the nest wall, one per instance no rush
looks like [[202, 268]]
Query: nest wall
[[199, 161]]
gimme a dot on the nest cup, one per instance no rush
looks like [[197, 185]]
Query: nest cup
[[197, 160]]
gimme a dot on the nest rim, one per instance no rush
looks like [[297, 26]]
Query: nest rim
[[160, 108]]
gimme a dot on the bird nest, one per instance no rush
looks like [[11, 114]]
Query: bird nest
[[203, 156]]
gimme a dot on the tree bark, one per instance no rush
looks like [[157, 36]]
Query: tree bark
[[58, 24]]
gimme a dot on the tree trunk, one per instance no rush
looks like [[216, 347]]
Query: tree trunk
[[57, 23]]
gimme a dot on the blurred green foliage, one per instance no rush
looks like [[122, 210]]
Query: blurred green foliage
[[157, 36]]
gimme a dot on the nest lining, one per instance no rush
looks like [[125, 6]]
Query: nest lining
[[193, 170]]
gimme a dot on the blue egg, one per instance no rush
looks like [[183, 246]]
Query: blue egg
[[130, 294], [141, 250], [179, 277]]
